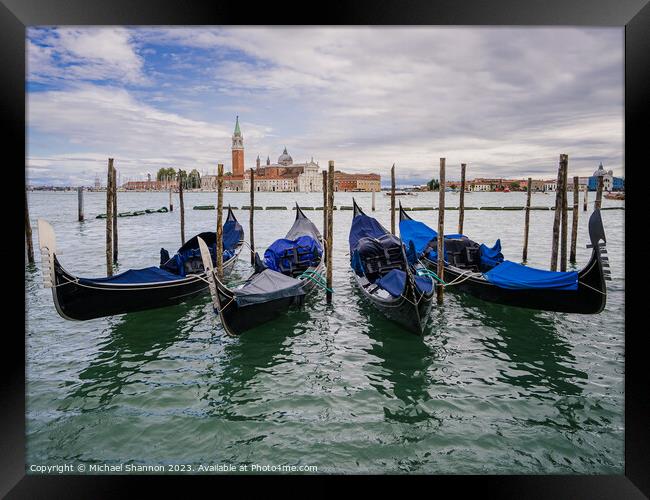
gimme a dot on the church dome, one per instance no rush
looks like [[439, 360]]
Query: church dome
[[285, 158], [600, 171]]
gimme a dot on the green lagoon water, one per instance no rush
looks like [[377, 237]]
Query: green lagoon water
[[488, 389]]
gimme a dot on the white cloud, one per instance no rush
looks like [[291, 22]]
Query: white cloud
[[507, 101], [85, 54]]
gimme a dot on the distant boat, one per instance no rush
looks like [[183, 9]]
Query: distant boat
[[402, 193], [615, 196]]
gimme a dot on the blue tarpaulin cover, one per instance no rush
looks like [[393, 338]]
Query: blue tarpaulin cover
[[420, 234], [362, 227], [284, 254], [395, 281], [490, 257], [515, 276], [132, 276]]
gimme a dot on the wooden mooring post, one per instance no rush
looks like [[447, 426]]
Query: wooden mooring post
[[524, 256], [171, 203], [80, 203], [325, 204], [220, 220], [574, 226], [599, 193], [441, 231], [373, 200], [330, 228], [392, 199], [114, 204], [558, 214], [584, 205], [182, 205], [251, 213], [564, 219], [461, 204], [109, 220], [28, 233]]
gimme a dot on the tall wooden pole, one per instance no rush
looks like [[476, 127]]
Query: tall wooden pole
[[574, 227], [584, 206], [564, 231], [558, 214], [325, 204], [181, 202], [171, 203], [330, 227], [524, 256], [461, 206], [392, 199], [80, 203], [373, 200], [599, 193], [251, 213], [219, 220], [441, 231], [114, 203], [109, 220], [28, 233]]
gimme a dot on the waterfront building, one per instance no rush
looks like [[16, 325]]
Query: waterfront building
[[285, 175], [610, 183], [356, 182]]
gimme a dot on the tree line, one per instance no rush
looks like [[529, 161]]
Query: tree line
[[190, 181]]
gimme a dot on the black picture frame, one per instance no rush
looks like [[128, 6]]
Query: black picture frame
[[634, 15]]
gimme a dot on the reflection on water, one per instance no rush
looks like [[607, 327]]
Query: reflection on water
[[532, 344], [131, 343]]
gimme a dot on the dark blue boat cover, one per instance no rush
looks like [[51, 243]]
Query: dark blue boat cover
[[517, 277], [285, 254], [395, 281], [134, 276], [362, 227]]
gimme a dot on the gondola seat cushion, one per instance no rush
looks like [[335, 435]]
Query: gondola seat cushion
[[134, 276], [395, 281], [292, 256], [518, 277]]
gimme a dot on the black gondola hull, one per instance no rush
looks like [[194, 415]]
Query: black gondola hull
[[589, 298], [410, 314], [83, 302]]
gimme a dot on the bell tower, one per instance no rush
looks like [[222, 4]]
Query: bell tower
[[237, 151]]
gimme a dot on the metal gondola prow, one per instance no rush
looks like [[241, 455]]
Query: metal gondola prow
[[47, 245], [596, 230], [209, 268]]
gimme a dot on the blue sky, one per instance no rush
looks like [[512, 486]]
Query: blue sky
[[506, 101]]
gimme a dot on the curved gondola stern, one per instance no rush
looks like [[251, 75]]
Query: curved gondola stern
[[356, 208], [299, 213], [231, 215], [47, 245], [402, 213], [596, 272]]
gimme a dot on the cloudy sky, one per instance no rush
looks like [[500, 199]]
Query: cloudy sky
[[506, 101]]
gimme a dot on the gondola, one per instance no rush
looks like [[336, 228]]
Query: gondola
[[482, 271], [177, 279], [385, 276], [292, 267]]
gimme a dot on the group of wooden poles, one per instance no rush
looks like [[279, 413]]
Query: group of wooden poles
[[560, 222]]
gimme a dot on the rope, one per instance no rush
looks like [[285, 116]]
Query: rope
[[594, 289], [317, 278], [431, 274]]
